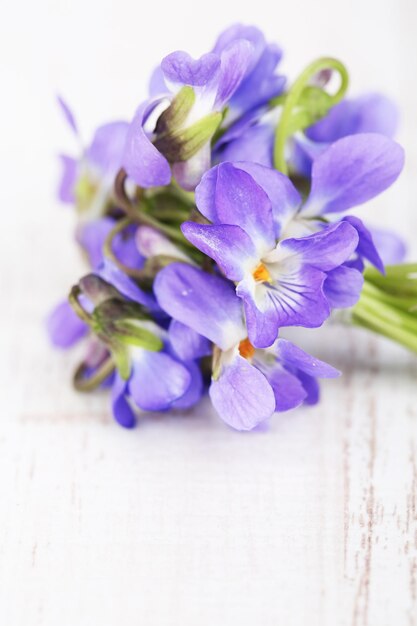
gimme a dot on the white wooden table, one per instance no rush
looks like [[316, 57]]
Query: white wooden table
[[183, 522]]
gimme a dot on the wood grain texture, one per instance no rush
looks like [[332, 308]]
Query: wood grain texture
[[183, 522]]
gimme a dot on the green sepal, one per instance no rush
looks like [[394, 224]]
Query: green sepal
[[121, 358], [132, 334], [182, 144], [176, 114]]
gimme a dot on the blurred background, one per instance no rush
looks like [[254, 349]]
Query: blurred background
[[98, 54]]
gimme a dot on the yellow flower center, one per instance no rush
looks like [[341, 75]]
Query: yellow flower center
[[246, 349], [261, 274]]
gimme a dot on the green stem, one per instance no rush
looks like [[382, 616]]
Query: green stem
[[136, 214], [293, 97], [81, 383], [75, 303], [108, 250], [374, 313]]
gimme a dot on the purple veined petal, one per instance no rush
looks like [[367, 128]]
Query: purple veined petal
[[343, 287], [229, 246], [122, 412], [391, 247], [242, 396], [296, 298], [107, 148], [284, 197], [366, 247], [288, 391], [236, 60], [68, 114], [261, 84], [370, 113], [188, 174], [157, 84], [194, 391], [206, 303], [238, 201], [292, 355], [255, 144], [69, 173], [181, 69], [324, 250], [144, 164], [151, 242], [352, 171], [311, 387], [64, 327], [157, 380], [126, 286], [186, 343]]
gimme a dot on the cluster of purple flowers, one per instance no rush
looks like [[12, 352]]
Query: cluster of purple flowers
[[217, 218]]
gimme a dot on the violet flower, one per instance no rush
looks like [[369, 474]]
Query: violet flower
[[239, 73], [248, 384]]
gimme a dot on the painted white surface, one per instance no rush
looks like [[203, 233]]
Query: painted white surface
[[183, 522]]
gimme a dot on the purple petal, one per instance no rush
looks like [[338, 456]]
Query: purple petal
[[297, 299], [122, 411], [261, 84], [256, 145], [366, 247], [371, 113], [302, 152], [284, 197], [143, 163], [229, 246], [242, 396], [241, 31], [186, 343], [157, 380], [292, 355], [66, 190], [343, 287], [194, 391], [157, 84], [68, 114], [107, 148], [204, 302], [352, 171], [311, 387], [288, 390], [64, 327], [180, 68], [235, 62], [239, 201], [91, 236], [391, 247], [126, 286], [326, 249]]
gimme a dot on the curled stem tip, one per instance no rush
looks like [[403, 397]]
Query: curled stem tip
[[292, 99]]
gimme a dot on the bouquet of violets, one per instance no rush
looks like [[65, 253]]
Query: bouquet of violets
[[218, 217]]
